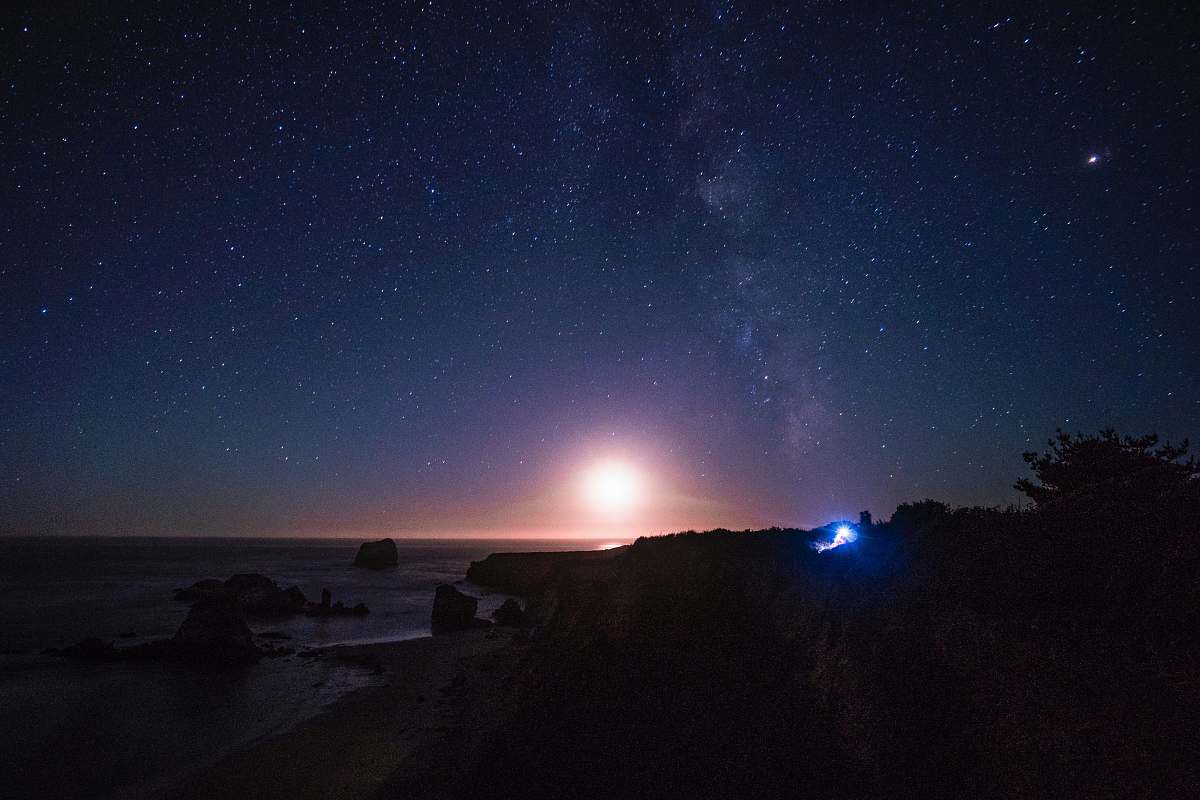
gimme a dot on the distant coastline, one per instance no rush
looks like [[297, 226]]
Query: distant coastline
[[55, 591], [943, 650]]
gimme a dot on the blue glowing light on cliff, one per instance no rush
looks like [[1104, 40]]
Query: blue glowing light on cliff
[[843, 535]]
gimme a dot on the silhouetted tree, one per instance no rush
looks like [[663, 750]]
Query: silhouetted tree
[[909, 517], [1124, 463]]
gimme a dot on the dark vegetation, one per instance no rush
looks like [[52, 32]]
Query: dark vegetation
[[948, 652], [1134, 466]]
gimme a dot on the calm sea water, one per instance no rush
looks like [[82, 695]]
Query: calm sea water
[[124, 729]]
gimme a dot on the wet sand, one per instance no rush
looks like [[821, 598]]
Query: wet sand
[[438, 702]]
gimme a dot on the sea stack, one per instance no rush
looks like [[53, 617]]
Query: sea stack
[[377, 555], [452, 610], [215, 633]]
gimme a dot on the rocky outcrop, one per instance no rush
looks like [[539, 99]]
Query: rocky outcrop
[[255, 594], [527, 574], [377, 555], [328, 608], [259, 596], [452, 610], [510, 614], [215, 632], [336, 610], [208, 587]]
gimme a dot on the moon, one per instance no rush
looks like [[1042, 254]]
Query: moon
[[612, 487]]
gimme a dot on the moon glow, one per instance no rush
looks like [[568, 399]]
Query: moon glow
[[612, 488]]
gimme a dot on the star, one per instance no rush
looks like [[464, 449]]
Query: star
[[648, 233]]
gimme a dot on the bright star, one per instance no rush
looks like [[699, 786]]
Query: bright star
[[1093, 159]]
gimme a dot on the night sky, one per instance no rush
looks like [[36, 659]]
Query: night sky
[[371, 269]]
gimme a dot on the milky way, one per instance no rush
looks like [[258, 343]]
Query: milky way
[[370, 268]]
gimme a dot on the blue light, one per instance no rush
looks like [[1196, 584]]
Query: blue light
[[843, 535]]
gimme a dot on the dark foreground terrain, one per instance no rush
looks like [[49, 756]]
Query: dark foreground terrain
[[947, 653], [968, 653]]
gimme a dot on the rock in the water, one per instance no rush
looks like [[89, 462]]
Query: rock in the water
[[250, 582], [509, 613], [295, 599], [216, 633], [377, 555], [255, 594], [452, 610], [260, 596], [338, 609], [209, 587], [274, 602]]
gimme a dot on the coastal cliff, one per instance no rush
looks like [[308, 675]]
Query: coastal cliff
[[946, 653], [531, 574], [924, 658]]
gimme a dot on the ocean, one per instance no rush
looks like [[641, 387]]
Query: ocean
[[123, 730]]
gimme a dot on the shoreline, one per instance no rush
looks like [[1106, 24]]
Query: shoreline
[[157, 721], [130, 728], [436, 702]]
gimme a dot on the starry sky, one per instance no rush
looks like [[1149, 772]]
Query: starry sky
[[352, 269]]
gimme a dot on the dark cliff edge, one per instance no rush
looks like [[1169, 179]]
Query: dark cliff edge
[[950, 653], [532, 573]]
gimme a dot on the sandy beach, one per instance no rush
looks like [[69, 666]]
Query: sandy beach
[[406, 734]]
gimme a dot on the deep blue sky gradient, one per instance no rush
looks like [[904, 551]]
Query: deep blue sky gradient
[[321, 269]]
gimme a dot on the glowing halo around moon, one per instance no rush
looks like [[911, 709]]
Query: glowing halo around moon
[[612, 488]]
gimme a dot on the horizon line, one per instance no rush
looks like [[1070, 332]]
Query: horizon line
[[329, 537]]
